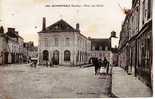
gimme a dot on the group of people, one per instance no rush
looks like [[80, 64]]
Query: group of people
[[33, 62], [98, 63]]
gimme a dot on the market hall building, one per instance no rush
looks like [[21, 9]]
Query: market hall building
[[63, 44], [100, 48]]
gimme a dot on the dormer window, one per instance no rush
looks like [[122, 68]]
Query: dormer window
[[93, 48], [106, 48], [100, 48], [56, 27]]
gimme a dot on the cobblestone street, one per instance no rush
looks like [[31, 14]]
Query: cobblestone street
[[25, 82]]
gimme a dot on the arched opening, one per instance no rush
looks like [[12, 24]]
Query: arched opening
[[91, 60], [56, 57], [45, 55], [67, 55]]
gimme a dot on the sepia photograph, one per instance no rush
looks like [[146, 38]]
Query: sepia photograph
[[76, 49]]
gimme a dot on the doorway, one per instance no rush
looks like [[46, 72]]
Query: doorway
[[56, 57]]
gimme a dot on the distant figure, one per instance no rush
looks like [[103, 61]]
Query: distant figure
[[107, 69], [106, 64], [51, 62], [96, 64], [46, 63], [29, 60], [100, 65], [35, 63]]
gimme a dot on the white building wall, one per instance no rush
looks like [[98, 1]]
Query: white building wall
[[77, 42], [1, 48]]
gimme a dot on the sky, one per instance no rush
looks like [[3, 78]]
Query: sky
[[96, 22]]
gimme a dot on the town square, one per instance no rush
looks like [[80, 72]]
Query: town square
[[49, 50]]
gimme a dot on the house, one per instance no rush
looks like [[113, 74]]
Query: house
[[100, 48], [14, 46], [63, 44], [136, 41], [3, 47]]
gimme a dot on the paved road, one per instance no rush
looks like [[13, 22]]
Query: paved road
[[24, 82]]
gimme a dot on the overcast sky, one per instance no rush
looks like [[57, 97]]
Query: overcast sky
[[98, 22]]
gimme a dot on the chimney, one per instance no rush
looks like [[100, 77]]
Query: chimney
[[77, 26], [1, 29], [113, 34], [44, 24]]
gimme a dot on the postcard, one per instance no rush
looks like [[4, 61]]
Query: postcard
[[76, 49]]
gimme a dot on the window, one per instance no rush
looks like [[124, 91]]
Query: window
[[78, 42], [93, 48], [97, 48], [149, 9], [100, 48], [143, 12], [106, 48], [46, 42], [67, 55], [56, 27], [67, 42], [77, 59], [137, 18], [56, 42]]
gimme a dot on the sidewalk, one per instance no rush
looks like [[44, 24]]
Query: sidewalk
[[86, 65], [124, 85]]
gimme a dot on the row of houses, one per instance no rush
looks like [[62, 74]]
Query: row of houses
[[13, 49], [135, 45], [63, 44]]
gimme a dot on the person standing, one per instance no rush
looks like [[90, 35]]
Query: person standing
[[106, 64], [95, 63], [107, 69], [35, 63], [51, 62], [99, 65]]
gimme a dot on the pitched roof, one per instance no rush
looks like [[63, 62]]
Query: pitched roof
[[59, 26]]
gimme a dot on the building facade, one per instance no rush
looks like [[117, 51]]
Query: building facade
[[11, 47], [145, 42], [3, 47], [30, 51], [124, 44], [135, 45], [61, 44], [101, 48], [14, 46]]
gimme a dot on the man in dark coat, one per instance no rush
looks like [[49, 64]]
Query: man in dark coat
[[100, 65], [106, 64], [96, 64]]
